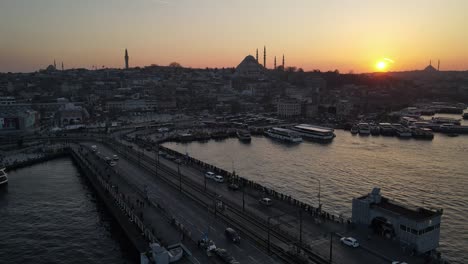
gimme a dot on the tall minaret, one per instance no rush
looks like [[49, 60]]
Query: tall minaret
[[55, 66], [264, 56], [275, 63], [62, 65], [438, 65], [283, 61], [126, 59], [256, 56]]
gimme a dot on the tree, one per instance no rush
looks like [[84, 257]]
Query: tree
[[175, 65]]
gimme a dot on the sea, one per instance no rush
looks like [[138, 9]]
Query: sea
[[428, 173], [49, 214]]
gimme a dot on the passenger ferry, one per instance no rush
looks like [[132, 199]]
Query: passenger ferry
[[386, 129], [422, 133], [312, 132], [243, 135], [402, 131], [283, 134], [364, 129], [445, 120], [3, 176]]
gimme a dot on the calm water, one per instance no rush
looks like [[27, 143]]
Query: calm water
[[49, 214], [430, 173]]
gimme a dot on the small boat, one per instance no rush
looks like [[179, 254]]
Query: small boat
[[243, 135], [364, 129], [452, 134], [374, 130], [3, 176], [354, 130]]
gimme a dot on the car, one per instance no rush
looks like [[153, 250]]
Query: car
[[112, 163], [266, 201], [232, 235], [107, 159], [93, 148], [233, 186], [178, 161], [349, 241], [219, 178], [225, 256], [210, 175], [115, 157]]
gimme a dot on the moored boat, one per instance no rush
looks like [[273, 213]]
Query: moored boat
[[312, 132], [243, 135], [364, 129], [354, 130], [284, 135]]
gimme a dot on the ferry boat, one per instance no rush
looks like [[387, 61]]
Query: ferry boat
[[422, 133], [354, 130], [402, 131], [374, 130], [445, 120], [364, 129], [3, 176], [243, 135], [386, 129], [284, 134], [465, 116], [312, 132]]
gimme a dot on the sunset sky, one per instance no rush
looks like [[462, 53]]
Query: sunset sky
[[313, 34]]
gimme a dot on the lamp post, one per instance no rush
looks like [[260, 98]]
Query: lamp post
[[180, 177]]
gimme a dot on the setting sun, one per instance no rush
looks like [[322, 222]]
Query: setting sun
[[381, 65]]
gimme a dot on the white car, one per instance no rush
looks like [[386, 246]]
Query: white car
[[219, 178], [349, 241], [210, 175], [266, 201], [115, 157], [112, 163]]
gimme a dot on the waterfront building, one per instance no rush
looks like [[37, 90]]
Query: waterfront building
[[289, 107], [417, 229]]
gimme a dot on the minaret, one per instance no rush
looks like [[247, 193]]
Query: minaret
[[438, 65], [55, 66], [283, 61], [126, 59], [62, 65], [275, 62], [256, 56], [264, 56]]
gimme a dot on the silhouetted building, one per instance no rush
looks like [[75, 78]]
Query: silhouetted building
[[249, 68], [126, 59]]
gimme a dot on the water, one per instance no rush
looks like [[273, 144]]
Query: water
[[417, 172], [49, 214]]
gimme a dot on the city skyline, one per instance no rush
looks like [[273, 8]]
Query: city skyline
[[339, 35]]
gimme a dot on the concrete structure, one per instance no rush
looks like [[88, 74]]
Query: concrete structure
[[7, 100], [417, 229], [288, 107], [71, 114], [18, 119]]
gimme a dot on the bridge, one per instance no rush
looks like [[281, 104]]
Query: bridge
[[171, 202]]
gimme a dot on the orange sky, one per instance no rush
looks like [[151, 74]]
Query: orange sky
[[337, 34]]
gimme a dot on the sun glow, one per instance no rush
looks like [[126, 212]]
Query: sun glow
[[381, 65]]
